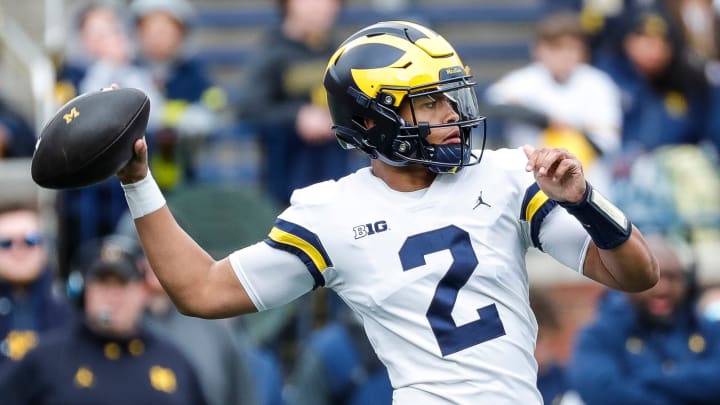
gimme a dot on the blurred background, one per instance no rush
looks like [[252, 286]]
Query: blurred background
[[631, 86]]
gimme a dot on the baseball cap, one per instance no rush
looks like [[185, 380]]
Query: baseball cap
[[114, 254]]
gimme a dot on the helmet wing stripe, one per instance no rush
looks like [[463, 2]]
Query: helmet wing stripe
[[370, 58]]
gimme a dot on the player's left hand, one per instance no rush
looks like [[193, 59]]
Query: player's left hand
[[558, 173]]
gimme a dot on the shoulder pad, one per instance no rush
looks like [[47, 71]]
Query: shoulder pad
[[319, 193]]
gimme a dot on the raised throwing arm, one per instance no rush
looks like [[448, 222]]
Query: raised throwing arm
[[197, 284], [619, 256]]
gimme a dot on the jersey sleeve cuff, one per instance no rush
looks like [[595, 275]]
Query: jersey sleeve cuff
[[583, 256], [244, 280]]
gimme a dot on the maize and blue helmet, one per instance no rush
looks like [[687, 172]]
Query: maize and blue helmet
[[381, 66]]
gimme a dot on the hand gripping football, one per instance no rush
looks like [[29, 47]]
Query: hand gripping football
[[90, 138]]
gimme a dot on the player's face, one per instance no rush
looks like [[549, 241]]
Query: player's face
[[434, 109]]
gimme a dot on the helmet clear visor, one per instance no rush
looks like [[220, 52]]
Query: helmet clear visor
[[460, 95], [451, 102], [464, 102]]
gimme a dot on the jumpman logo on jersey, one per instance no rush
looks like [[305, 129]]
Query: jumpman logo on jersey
[[480, 201]]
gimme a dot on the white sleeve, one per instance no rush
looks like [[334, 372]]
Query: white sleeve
[[271, 277], [563, 237]]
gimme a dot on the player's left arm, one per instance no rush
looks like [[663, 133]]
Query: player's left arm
[[618, 256]]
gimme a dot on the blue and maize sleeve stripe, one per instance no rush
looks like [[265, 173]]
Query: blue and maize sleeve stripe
[[535, 207], [302, 243]]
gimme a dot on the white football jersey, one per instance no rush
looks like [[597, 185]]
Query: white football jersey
[[437, 276]]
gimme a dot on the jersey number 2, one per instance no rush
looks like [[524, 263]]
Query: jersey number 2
[[450, 337]]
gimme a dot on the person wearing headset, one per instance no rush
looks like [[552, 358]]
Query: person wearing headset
[[106, 356]]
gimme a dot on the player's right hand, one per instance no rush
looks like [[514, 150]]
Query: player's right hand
[[137, 168]]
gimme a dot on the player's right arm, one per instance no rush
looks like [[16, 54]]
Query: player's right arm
[[197, 284]]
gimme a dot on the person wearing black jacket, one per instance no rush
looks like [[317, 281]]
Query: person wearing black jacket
[[17, 137], [284, 99]]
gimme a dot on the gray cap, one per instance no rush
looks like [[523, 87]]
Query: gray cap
[[181, 10]]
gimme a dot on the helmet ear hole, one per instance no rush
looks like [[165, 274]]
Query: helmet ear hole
[[366, 123], [403, 147], [386, 99]]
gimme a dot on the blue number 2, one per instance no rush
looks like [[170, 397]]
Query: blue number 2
[[450, 337]]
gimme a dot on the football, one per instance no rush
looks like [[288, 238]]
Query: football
[[90, 138]]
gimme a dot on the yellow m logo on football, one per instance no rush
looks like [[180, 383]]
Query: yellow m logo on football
[[71, 115]]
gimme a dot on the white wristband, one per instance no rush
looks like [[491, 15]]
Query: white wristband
[[143, 197]]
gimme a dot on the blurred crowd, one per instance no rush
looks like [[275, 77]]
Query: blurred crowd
[[631, 87]]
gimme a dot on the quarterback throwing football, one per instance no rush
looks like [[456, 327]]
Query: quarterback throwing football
[[427, 245]]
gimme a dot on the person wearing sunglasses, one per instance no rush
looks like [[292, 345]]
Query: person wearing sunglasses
[[28, 304]]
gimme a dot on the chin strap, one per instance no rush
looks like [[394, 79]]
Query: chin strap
[[453, 155]]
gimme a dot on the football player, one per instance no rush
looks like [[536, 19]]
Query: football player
[[427, 245]]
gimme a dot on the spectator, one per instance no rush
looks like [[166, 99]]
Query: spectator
[[709, 303], [560, 100], [223, 366], [17, 138], [664, 95], [712, 130], [230, 368], [106, 356], [698, 27], [192, 103], [284, 98], [552, 381], [338, 366], [29, 306], [650, 347], [103, 58], [606, 23], [95, 26], [667, 109], [267, 376]]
